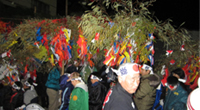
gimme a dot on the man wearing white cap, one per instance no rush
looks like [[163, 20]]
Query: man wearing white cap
[[119, 97], [146, 91]]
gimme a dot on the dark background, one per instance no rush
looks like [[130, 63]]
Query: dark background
[[178, 11]]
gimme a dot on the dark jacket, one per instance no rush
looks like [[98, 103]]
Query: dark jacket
[[146, 92], [118, 99], [66, 88], [97, 93], [15, 101], [176, 99], [5, 94], [53, 79]]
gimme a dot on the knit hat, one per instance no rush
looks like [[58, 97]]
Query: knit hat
[[193, 99], [127, 68]]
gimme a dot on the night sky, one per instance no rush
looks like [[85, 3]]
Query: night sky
[[178, 11]]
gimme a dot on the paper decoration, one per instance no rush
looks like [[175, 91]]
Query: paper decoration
[[97, 36], [151, 36], [182, 47], [67, 33], [39, 37], [163, 70], [172, 62], [111, 24], [56, 55], [82, 44], [169, 52], [6, 54], [37, 44]]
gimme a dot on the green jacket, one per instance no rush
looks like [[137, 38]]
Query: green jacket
[[144, 97], [79, 98], [176, 99]]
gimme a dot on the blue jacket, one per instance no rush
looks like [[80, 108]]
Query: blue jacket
[[176, 99], [66, 88], [53, 79]]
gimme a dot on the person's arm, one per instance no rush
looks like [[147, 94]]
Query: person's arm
[[62, 71]]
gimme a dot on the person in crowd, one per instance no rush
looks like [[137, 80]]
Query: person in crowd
[[5, 92], [119, 97], [176, 96], [53, 87], [146, 91], [66, 87], [97, 92], [16, 99], [41, 89], [30, 95], [109, 78], [180, 74], [79, 96], [76, 64], [87, 70]]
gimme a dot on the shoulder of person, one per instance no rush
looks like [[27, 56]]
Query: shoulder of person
[[154, 80]]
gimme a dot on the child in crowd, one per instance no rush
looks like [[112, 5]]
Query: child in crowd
[[79, 96]]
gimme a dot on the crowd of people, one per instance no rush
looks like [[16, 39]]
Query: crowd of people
[[130, 86]]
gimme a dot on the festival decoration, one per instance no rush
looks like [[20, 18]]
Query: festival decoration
[[172, 62], [182, 47], [127, 36]]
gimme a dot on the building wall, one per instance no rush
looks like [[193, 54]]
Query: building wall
[[52, 5], [24, 3]]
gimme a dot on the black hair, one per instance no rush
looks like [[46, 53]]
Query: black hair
[[97, 74], [147, 63], [78, 60], [30, 81], [179, 72], [172, 80], [19, 84], [71, 69]]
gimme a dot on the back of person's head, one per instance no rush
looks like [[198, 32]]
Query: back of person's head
[[75, 75], [102, 69], [147, 63], [171, 80], [17, 85], [96, 75], [71, 69], [179, 72], [30, 81]]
